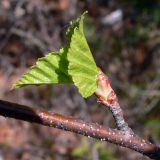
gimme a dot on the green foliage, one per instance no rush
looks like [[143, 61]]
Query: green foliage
[[107, 154], [72, 64], [81, 63], [152, 123], [52, 68], [104, 152], [81, 151]]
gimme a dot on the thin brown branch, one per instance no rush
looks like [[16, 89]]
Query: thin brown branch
[[107, 96], [117, 137]]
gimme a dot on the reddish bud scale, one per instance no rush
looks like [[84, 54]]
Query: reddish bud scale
[[104, 91], [107, 96]]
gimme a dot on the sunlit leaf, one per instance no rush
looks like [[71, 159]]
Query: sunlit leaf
[[53, 68], [82, 66], [72, 64]]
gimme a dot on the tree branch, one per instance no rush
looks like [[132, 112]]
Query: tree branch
[[118, 137], [107, 96]]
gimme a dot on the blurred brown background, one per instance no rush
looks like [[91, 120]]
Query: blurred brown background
[[124, 37]]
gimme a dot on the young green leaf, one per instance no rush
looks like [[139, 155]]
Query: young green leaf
[[82, 66], [53, 68], [72, 64]]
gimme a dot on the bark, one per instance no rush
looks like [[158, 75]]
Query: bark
[[118, 137]]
